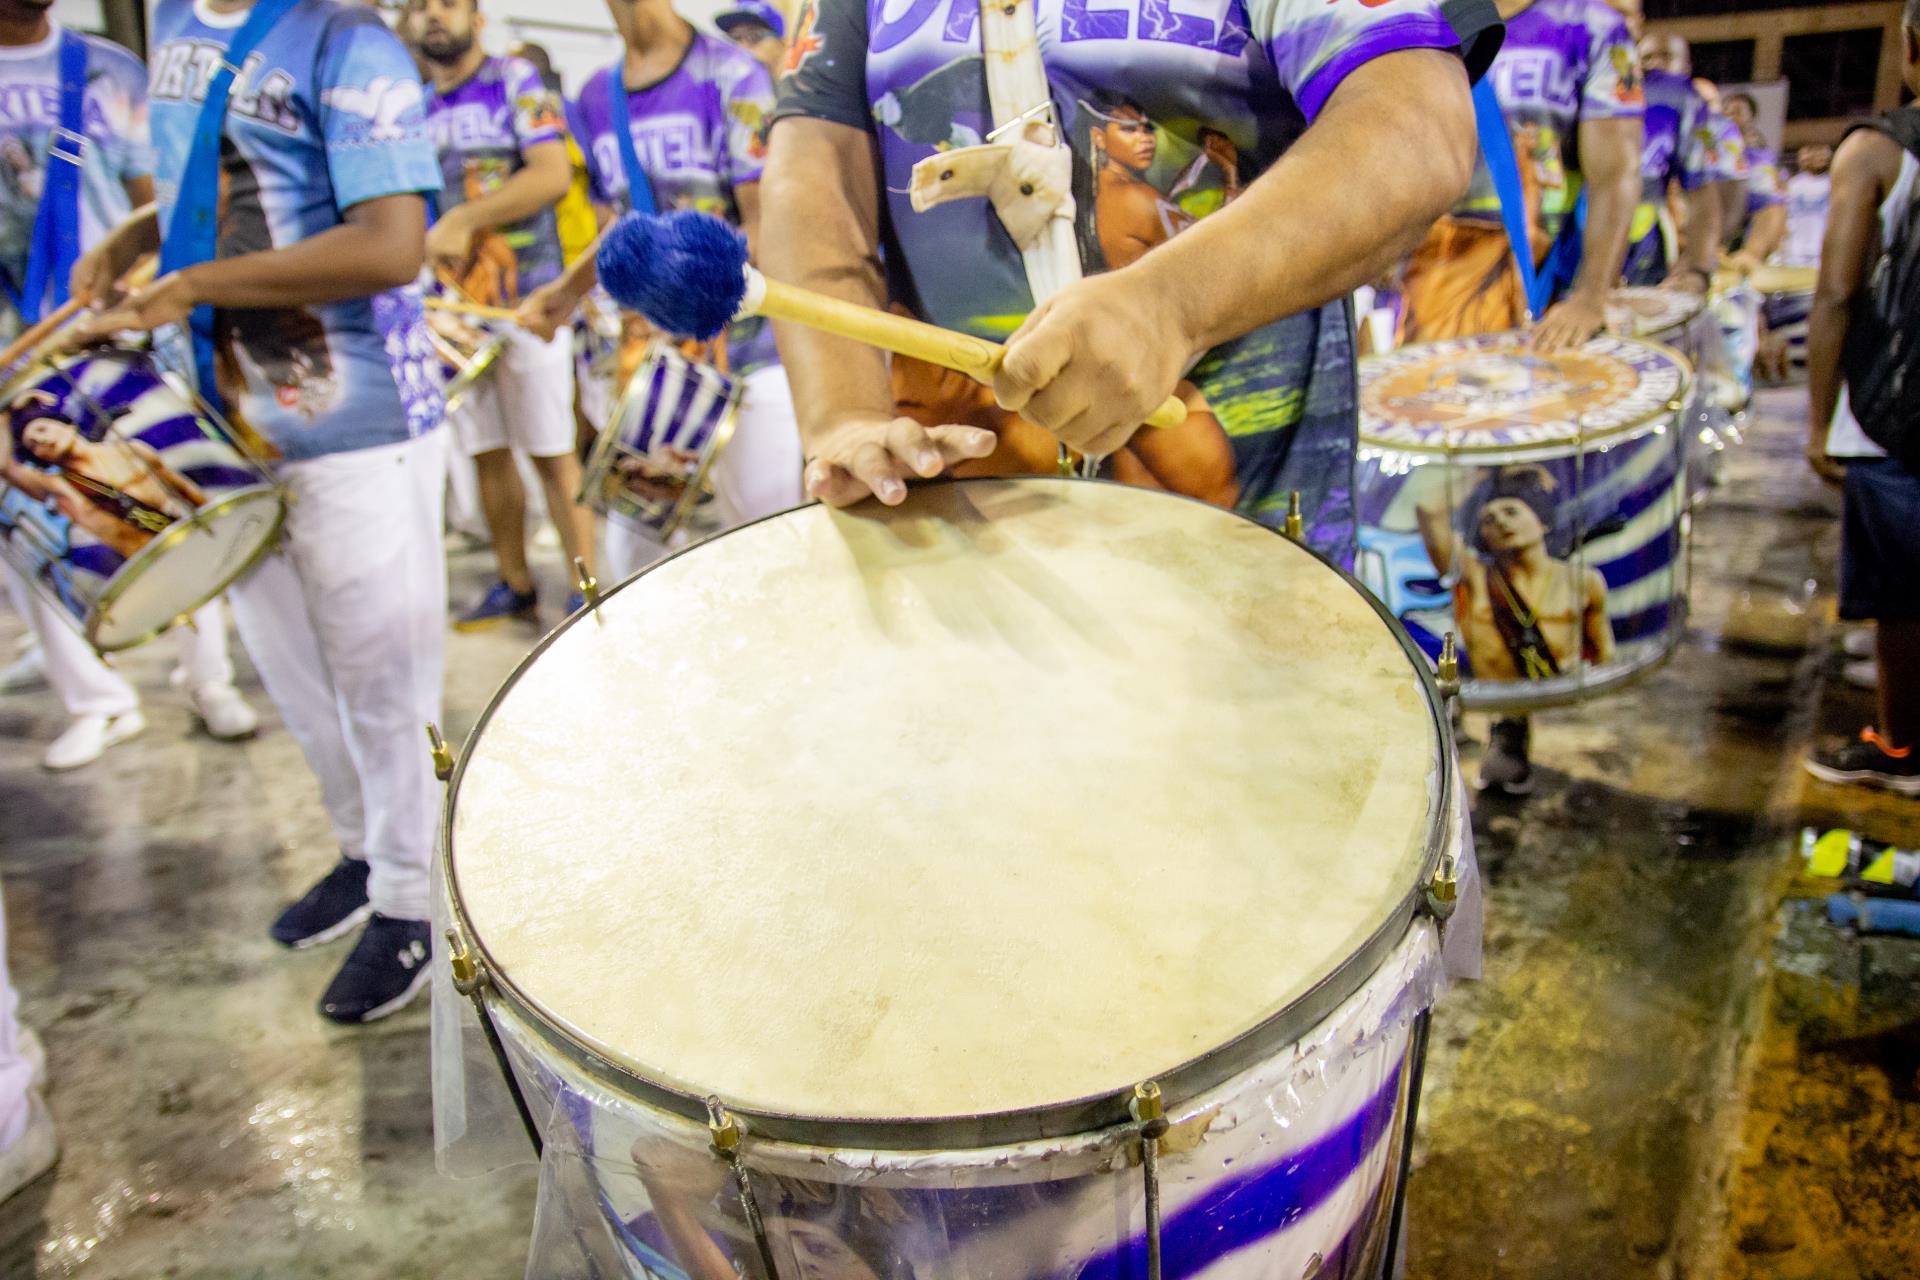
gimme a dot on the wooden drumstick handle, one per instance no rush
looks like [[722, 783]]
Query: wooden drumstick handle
[[963, 353], [435, 303], [42, 332]]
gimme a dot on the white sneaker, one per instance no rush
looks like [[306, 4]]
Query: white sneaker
[[1864, 674], [28, 671], [88, 738], [224, 712], [29, 1047], [1857, 642], [37, 1151]]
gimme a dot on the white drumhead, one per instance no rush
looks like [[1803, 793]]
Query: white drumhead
[[187, 565], [1020, 794]]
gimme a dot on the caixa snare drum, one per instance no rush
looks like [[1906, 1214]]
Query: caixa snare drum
[[1035, 880], [121, 499], [650, 465], [1534, 503]]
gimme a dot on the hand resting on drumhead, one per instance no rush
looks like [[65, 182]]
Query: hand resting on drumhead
[[874, 454]]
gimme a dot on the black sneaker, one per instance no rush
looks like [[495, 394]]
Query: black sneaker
[[1870, 762], [1505, 767], [334, 905], [386, 970]]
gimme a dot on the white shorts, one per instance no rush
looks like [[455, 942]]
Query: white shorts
[[524, 402]]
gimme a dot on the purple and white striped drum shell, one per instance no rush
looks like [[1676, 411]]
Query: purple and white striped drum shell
[[121, 500], [650, 464], [983, 810]]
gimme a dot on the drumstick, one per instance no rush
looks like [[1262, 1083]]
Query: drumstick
[[437, 303], [688, 273], [43, 334]]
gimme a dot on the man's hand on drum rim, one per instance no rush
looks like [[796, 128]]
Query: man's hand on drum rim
[[1570, 322], [866, 455]]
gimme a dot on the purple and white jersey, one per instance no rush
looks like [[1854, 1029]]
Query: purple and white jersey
[[1565, 63], [1765, 188], [328, 112], [482, 129], [1170, 111], [698, 136], [1808, 195], [1680, 144], [114, 118]]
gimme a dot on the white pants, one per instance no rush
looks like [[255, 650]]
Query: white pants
[[16, 1073], [346, 624], [84, 683], [757, 474], [524, 402]]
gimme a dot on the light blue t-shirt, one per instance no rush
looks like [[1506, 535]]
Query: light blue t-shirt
[[114, 112], [328, 112]]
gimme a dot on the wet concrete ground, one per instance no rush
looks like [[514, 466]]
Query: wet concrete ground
[[1649, 1083]]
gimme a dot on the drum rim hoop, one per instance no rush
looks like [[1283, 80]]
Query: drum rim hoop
[[171, 537], [1579, 442], [1187, 1080]]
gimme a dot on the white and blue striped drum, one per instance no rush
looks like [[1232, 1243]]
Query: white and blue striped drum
[[650, 464], [121, 499], [1045, 883], [1534, 504], [1712, 420]]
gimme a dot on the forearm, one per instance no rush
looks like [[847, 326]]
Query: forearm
[[1768, 230], [538, 185], [821, 232], [1827, 324], [1391, 152], [1701, 248], [346, 261], [1611, 198]]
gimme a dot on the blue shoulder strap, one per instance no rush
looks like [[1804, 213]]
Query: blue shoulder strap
[[192, 235], [1496, 146], [1563, 260], [56, 226], [639, 188]]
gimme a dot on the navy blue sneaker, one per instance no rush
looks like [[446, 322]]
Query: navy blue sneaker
[[334, 905], [501, 604], [388, 967], [575, 603]]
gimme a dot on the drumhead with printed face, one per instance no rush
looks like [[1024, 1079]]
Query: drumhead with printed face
[[1019, 794], [1496, 394]]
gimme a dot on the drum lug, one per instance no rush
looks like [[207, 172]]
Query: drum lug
[[469, 975], [1447, 672], [1443, 891], [1148, 1109], [441, 752], [588, 585], [1296, 526], [723, 1138]]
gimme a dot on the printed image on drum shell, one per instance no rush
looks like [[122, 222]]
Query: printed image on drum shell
[[118, 491], [1523, 613]]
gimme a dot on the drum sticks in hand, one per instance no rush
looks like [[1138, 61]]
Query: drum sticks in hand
[[688, 273]]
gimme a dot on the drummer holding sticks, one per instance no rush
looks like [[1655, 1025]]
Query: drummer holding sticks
[[1350, 128], [108, 173], [290, 209]]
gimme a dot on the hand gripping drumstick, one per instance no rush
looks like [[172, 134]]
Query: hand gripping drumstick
[[41, 339], [688, 274]]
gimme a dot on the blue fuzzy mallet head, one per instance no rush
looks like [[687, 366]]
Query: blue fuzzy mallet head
[[685, 272]]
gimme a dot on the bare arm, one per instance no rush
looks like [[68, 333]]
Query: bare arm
[[1864, 168], [1444, 546], [538, 185], [1391, 151], [1733, 208], [1599, 627], [1768, 229], [1700, 242], [1610, 164], [747, 197]]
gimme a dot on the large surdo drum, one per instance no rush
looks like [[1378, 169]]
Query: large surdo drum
[[1535, 504], [905, 847]]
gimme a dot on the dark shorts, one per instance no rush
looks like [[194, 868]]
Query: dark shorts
[[1880, 542]]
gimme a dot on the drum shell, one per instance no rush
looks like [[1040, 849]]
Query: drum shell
[[118, 542], [674, 418], [1294, 1161]]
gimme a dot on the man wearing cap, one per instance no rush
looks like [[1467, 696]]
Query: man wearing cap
[[757, 27]]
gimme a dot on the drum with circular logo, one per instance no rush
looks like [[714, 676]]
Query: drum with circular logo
[[1046, 882], [1532, 503]]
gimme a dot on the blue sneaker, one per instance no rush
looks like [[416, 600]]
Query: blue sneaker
[[575, 603], [501, 603], [388, 967], [333, 906]]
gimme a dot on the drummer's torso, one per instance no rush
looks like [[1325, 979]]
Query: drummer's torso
[[331, 113], [114, 118], [481, 128]]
